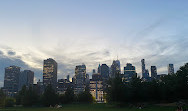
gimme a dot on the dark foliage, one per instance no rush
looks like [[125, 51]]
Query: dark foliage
[[170, 88], [68, 97], [49, 98]]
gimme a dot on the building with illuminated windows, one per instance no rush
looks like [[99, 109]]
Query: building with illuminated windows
[[50, 73], [96, 90], [80, 79], [11, 80]]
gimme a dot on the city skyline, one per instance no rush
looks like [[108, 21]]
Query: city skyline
[[92, 32]]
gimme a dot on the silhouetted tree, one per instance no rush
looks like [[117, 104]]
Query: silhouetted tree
[[85, 97], [2, 98], [115, 90], [49, 98], [68, 97]]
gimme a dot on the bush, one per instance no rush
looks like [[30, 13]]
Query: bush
[[10, 102]]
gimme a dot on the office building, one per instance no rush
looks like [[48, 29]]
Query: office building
[[115, 68], [80, 79], [170, 69], [153, 72], [26, 78], [104, 71], [145, 72], [11, 80], [129, 72], [50, 73]]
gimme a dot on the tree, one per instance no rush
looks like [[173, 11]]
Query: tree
[[49, 98], [2, 98], [85, 97], [115, 90], [10, 102], [68, 97]]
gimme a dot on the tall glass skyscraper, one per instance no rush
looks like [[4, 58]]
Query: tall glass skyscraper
[[115, 68], [11, 80], [50, 73], [145, 72]]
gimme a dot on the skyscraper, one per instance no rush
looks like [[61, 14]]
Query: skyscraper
[[104, 71], [153, 72], [99, 69], [26, 78], [145, 72], [170, 69], [11, 80], [115, 68], [50, 73], [129, 72], [143, 67], [80, 78]]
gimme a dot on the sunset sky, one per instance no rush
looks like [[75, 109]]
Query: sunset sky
[[92, 31]]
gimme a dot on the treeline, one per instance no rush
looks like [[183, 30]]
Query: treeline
[[170, 88], [27, 97]]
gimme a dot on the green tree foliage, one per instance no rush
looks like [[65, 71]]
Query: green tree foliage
[[170, 88], [68, 97], [49, 98], [10, 102], [2, 98], [115, 85], [85, 97], [27, 97]]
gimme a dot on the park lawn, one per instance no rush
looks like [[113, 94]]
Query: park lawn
[[91, 107]]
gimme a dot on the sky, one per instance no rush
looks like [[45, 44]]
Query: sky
[[91, 32]]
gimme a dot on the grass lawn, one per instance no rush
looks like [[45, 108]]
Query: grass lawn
[[92, 107]]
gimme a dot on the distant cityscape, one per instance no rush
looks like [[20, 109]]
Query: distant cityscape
[[14, 79]]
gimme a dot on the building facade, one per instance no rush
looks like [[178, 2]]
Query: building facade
[[129, 72], [145, 72], [153, 72], [80, 79], [115, 68], [50, 73], [104, 71], [11, 80], [26, 78], [170, 69]]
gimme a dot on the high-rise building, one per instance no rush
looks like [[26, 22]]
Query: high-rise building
[[115, 68], [26, 78], [129, 72], [153, 72], [68, 78], [145, 72], [11, 80], [80, 79], [94, 71], [104, 71], [170, 69], [50, 73], [99, 69], [143, 67]]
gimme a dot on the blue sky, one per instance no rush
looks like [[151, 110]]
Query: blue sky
[[92, 31]]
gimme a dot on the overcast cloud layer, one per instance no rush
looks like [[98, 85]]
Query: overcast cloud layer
[[92, 32]]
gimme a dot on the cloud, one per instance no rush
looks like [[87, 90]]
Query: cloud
[[11, 53]]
